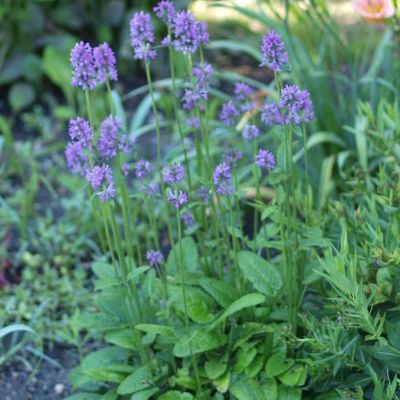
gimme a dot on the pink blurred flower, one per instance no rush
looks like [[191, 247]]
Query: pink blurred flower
[[374, 10]]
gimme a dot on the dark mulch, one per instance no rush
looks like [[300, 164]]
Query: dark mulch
[[46, 382]]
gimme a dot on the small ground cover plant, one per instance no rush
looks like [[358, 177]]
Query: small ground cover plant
[[215, 260]]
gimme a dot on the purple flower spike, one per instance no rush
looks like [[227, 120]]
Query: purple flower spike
[[203, 72], [295, 105], [105, 63], [179, 199], [242, 91], [265, 160], [229, 113], [250, 131], [188, 34], [165, 10], [187, 218], [101, 180], [143, 169], [273, 51], [223, 179], [108, 140], [79, 130], [173, 173], [231, 157], [142, 36], [152, 189], [84, 72], [76, 157], [154, 258], [270, 114]]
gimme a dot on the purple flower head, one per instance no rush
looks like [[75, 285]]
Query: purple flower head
[[192, 98], [187, 218], [108, 140], [152, 189], [143, 169], [265, 160], [242, 91], [295, 105], [76, 157], [84, 72], [105, 63], [142, 36], [223, 179], [79, 130], [203, 72], [250, 131], [204, 194], [273, 51], [193, 122], [101, 180], [188, 34], [178, 198], [270, 114], [231, 157], [173, 173], [154, 258], [165, 10], [125, 144], [229, 113]]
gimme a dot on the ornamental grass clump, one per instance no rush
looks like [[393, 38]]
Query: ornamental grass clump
[[189, 277]]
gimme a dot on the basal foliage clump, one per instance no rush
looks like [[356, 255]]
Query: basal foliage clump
[[216, 264]]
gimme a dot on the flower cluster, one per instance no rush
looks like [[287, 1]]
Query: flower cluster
[[101, 179], [142, 36], [265, 160], [294, 107], [229, 113], [154, 257], [92, 66], [223, 179], [173, 173], [273, 52], [178, 198], [108, 142], [142, 169]]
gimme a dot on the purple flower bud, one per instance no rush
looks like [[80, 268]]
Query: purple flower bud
[[142, 36], [76, 157], [178, 198], [229, 113], [105, 63], [273, 51], [79, 130], [193, 122], [108, 140], [142, 169], [173, 173], [231, 157], [101, 180], [203, 72], [250, 131], [265, 160], [165, 10], [191, 98], [84, 72], [204, 194], [154, 258], [125, 169], [223, 179], [270, 113], [242, 91], [187, 218]]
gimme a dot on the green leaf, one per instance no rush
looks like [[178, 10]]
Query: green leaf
[[108, 355], [57, 66], [215, 368], [135, 382], [261, 273], [247, 389], [289, 393], [223, 294], [110, 395], [270, 389], [295, 376], [157, 329], [84, 396], [175, 395], [278, 364], [200, 341], [15, 328], [104, 271], [144, 394], [21, 96], [222, 383], [248, 300], [190, 256], [137, 272], [122, 338]]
